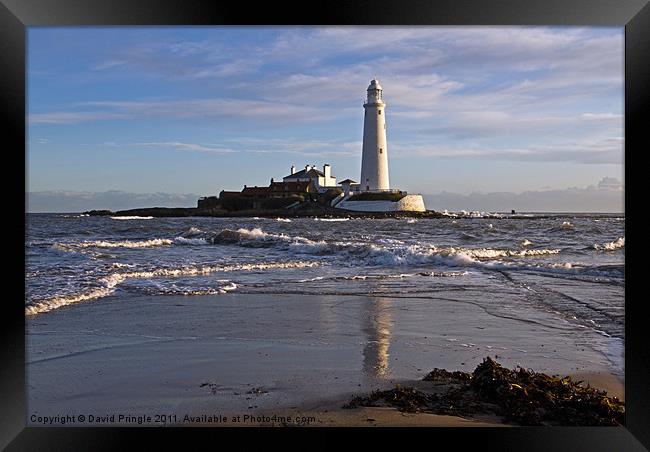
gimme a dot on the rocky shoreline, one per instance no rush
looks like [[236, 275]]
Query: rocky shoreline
[[305, 210]]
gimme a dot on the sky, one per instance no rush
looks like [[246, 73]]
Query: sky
[[196, 110]]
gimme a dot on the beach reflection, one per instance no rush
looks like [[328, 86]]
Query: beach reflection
[[376, 325]]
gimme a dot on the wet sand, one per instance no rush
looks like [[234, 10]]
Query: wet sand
[[243, 354]]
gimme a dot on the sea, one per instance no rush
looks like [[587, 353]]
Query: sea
[[569, 265]]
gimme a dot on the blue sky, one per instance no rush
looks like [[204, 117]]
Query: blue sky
[[200, 109]]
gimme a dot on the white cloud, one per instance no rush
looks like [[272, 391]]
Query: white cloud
[[190, 147], [306, 148], [71, 117], [452, 92]]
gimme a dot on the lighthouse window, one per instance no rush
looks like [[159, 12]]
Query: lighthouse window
[[379, 112], [380, 150]]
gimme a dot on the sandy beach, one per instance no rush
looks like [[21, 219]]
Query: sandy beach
[[283, 354]]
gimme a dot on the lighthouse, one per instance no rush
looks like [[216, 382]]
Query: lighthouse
[[373, 192], [374, 159]]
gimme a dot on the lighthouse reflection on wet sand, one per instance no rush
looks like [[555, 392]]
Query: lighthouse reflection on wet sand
[[374, 161]]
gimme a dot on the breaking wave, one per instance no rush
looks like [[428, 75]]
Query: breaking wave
[[185, 239], [110, 282], [611, 246], [393, 253], [192, 232], [119, 244], [225, 287], [190, 241], [406, 275], [131, 218], [471, 214]]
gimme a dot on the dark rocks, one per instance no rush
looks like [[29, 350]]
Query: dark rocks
[[306, 209], [98, 213]]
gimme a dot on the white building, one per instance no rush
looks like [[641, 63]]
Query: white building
[[374, 160], [373, 192], [321, 180]]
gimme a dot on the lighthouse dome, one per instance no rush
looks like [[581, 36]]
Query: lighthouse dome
[[374, 84]]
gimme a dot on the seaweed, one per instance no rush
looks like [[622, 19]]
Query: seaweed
[[442, 374], [531, 398], [520, 396], [406, 399]]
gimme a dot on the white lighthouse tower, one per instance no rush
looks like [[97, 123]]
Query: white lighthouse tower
[[373, 192], [374, 160]]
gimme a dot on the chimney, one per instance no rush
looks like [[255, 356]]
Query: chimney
[[307, 168], [293, 169], [327, 169]]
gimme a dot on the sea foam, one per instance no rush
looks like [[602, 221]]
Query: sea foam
[[117, 244], [611, 246], [131, 218], [386, 252], [111, 281]]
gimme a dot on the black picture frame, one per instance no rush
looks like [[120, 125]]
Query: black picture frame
[[17, 15]]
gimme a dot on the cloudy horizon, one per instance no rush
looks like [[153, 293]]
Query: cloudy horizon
[[198, 109], [605, 197]]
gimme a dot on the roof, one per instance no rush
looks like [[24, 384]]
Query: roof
[[304, 173], [255, 191], [374, 84], [289, 186], [348, 181], [229, 194]]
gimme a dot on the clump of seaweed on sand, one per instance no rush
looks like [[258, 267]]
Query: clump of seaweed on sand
[[520, 396]]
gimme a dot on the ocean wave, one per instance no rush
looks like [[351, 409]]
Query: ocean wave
[[561, 268], [406, 275], [119, 244], [386, 252], [395, 253], [331, 219], [121, 265], [471, 214], [191, 232], [317, 278], [489, 253], [131, 218], [258, 238], [225, 287], [284, 220], [611, 246], [111, 281], [190, 241], [38, 307]]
